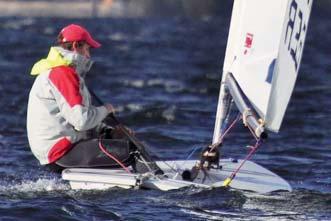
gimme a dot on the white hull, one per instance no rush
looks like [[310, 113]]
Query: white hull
[[251, 177]]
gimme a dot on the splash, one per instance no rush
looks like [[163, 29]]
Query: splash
[[169, 113], [40, 185]]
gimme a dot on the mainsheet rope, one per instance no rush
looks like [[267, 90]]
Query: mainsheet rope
[[103, 149], [228, 180]]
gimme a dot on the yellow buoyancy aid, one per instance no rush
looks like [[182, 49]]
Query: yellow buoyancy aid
[[54, 59]]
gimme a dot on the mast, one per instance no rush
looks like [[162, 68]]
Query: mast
[[222, 109], [224, 99]]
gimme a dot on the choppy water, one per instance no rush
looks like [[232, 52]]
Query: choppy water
[[163, 75]]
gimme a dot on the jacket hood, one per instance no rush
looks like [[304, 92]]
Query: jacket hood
[[58, 56], [54, 59]]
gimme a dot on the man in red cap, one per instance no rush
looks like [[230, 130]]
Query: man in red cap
[[76, 33], [60, 114]]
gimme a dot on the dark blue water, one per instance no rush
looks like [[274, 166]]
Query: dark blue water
[[163, 76]]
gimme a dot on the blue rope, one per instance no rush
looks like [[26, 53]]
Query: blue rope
[[192, 152]]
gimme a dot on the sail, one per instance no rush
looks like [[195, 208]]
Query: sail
[[288, 61], [263, 51]]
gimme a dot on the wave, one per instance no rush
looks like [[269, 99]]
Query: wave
[[33, 186]]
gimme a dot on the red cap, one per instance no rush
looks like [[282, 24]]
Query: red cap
[[74, 32]]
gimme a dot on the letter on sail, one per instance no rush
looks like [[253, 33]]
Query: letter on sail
[[288, 62]]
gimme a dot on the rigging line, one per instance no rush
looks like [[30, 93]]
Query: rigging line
[[170, 166], [163, 161], [142, 160], [166, 163], [220, 140], [103, 149], [252, 132], [192, 152], [189, 156], [226, 121], [226, 132], [228, 180], [147, 164]]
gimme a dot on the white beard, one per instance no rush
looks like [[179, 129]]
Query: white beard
[[80, 62]]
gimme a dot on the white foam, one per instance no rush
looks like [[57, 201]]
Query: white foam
[[134, 107], [169, 114], [213, 215], [117, 36], [42, 184], [135, 83], [170, 85]]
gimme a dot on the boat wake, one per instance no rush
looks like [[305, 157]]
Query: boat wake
[[33, 186]]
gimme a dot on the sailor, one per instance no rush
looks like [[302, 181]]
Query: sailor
[[63, 126]]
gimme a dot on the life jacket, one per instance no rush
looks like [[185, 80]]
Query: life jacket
[[60, 111], [54, 59]]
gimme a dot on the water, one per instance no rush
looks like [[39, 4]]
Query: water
[[162, 75]]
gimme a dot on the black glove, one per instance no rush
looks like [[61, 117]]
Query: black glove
[[210, 155]]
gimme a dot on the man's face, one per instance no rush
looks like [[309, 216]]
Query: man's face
[[84, 50]]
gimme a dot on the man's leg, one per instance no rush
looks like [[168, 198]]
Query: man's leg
[[88, 154]]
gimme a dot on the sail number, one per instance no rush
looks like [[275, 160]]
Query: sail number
[[295, 32]]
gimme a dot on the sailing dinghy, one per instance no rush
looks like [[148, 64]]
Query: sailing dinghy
[[261, 64]]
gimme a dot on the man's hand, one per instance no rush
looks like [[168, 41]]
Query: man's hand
[[110, 108], [129, 130]]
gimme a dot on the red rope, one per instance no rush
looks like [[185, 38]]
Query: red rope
[[103, 149], [254, 148], [225, 133], [252, 132]]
